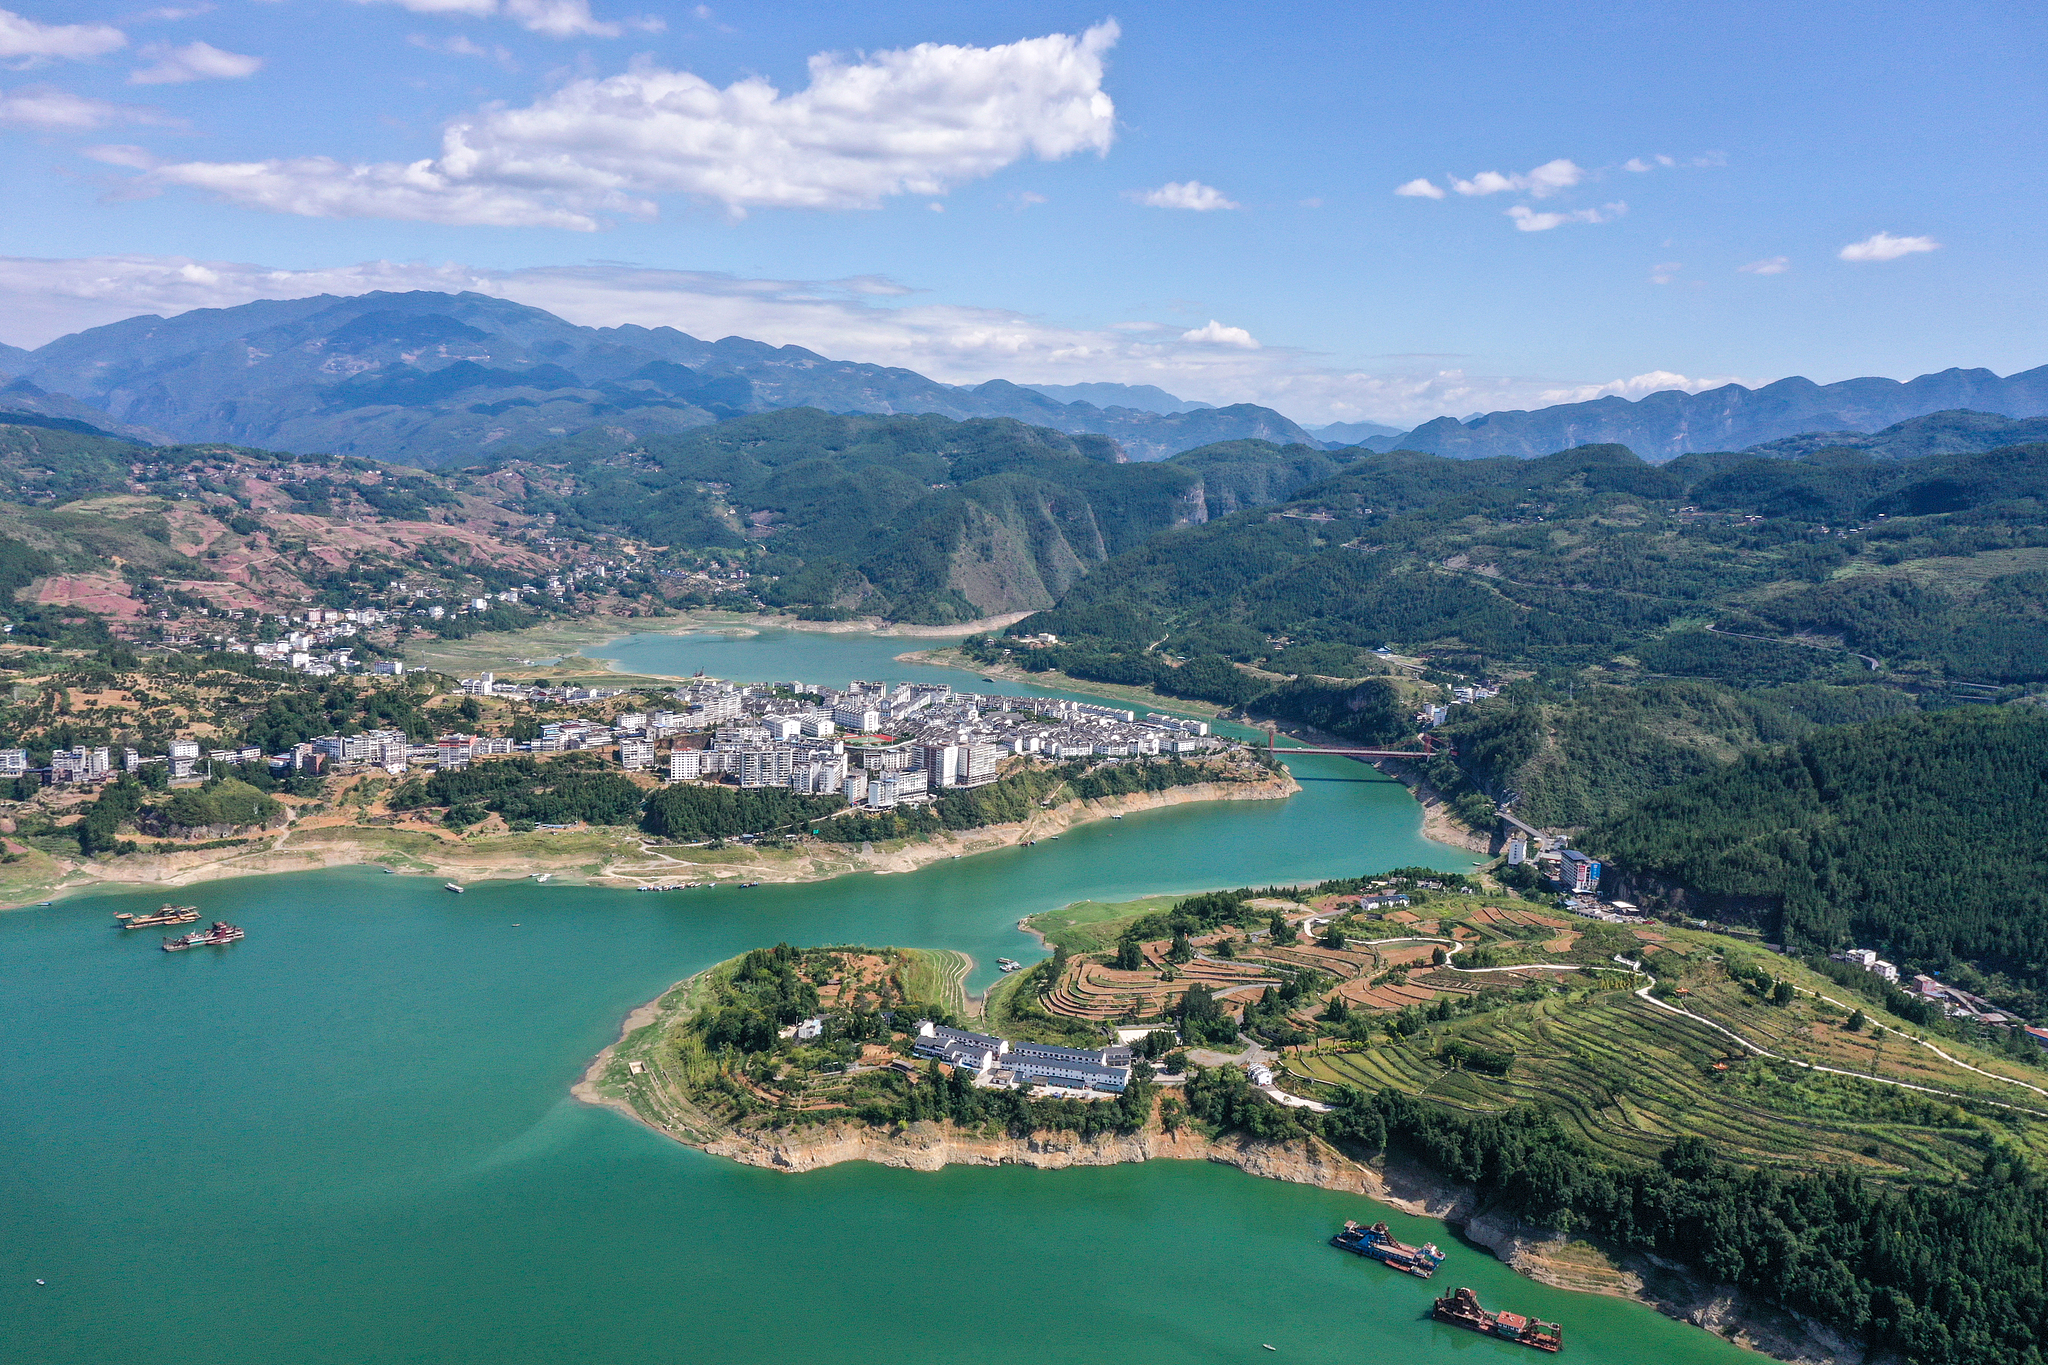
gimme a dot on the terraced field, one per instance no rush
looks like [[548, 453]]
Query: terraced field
[[1631, 1078]]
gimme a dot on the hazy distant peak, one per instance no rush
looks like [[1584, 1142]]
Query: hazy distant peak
[[1143, 397]]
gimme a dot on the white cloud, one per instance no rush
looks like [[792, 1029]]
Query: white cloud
[[1882, 246], [192, 62], [1540, 183], [1639, 164], [864, 318], [116, 154], [1214, 333], [1656, 381], [459, 46], [1769, 265], [1419, 189], [24, 42], [53, 110], [1665, 272], [555, 18], [913, 121], [1529, 220], [169, 14], [1192, 195]]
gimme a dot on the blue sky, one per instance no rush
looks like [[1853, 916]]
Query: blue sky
[[1614, 197]]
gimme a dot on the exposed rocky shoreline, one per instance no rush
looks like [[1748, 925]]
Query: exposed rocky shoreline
[[1542, 1254]]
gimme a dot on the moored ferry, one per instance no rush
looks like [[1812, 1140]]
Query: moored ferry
[[1463, 1310], [1379, 1243], [219, 932], [169, 914], [452, 887]]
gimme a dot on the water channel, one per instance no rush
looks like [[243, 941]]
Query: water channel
[[348, 1139]]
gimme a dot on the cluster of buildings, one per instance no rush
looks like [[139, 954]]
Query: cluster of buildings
[[880, 745], [1435, 715], [105, 762], [1866, 959], [1957, 1003], [310, 641], [998, 1062]]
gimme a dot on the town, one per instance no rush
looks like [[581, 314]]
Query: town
[[876, 744]]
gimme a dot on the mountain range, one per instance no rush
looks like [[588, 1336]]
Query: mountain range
[[1665, 425], [433, 379]]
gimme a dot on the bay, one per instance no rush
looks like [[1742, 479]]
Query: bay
[[348, 1138]]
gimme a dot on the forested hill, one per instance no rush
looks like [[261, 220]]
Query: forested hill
[[915, 518], [1593, 558], [1924, 836]]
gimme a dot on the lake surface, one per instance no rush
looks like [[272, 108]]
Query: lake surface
[[348, 1139]]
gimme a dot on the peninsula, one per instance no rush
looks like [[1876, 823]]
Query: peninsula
[[1382, 1036]]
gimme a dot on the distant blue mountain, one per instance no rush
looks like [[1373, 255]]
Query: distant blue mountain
[[432, 379], [1337, 434], [1661, 426], [1143, 397]]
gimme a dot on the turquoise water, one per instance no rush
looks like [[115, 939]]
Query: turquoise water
[[348, 1139], [835, 659]]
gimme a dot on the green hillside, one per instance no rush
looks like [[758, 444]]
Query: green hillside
[[1920, 835], [916, 518], [1575, 559]]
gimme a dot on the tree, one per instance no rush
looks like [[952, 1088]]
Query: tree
[[1333, 937], [1856, 1022], [1130, 956], [1782, 993], [1280, 930]]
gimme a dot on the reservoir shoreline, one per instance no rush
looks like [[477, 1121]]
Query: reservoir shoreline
[[626, 861], [372, 1134], [1541, 1254]]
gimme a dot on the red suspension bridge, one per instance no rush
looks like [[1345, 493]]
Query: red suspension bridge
[[1431, 747]]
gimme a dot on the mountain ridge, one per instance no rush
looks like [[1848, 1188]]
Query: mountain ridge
[[300, 374], [1671, 422]]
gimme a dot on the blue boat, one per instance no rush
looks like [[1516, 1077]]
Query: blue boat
[[1379, 1243]]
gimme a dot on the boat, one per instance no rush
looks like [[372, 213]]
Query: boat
[[1378, 1243], [169, 914], [1009, 964], [1462, 1309], [1116, 817], [219, 932], [745, 884], [452, 887], [541, 878]]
